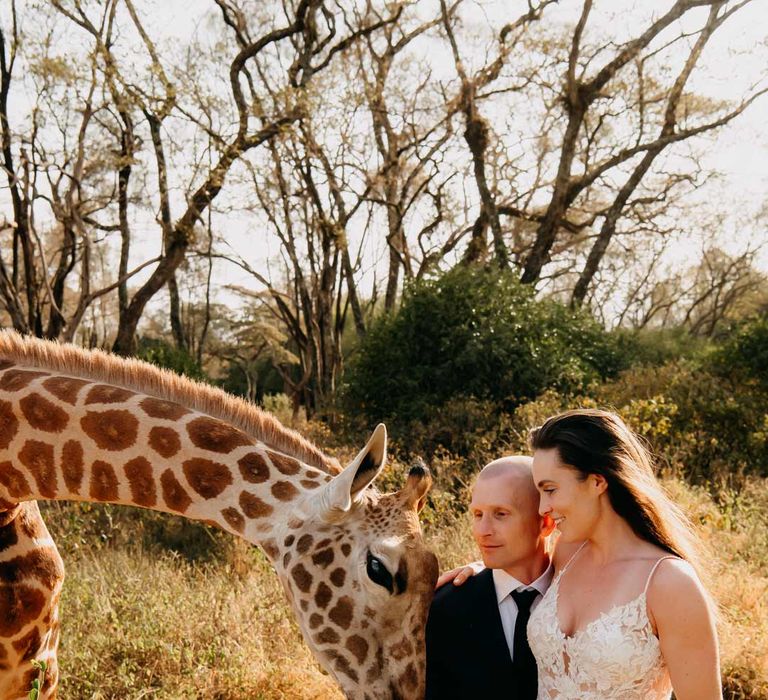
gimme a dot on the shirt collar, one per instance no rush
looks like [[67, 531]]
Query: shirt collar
[[505, 583]]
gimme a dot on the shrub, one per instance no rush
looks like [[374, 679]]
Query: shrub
[[744, 355], [478, 337], [158, 352]]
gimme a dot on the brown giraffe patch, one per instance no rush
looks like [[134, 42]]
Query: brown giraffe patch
[[9, 424], [65, 389], [30, 522], [253, 468], [176, 498], [72, 465], [410, 677], [402, 649], [43, 414], [323, 558], [304, 543], [5, 364], [8, 534], [341, 613], [338, 576], [37, 457], [164, 441], [17, 379], [346, 549], [141, 480], [157, 408], [285, 465], [342, 665], [106, 393], [215, 435], [284, 491], [28, 646], [13, 480], [235, 520], [270, 548], [19, 605], [307, 484], [327, 636], [287, 559], [207, 478], [111, 430], [315, 621], [302, 578], [289, 541], [103, 481], [358, 646], [323, 595], [253, 506]]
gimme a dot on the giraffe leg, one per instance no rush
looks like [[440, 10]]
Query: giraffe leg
[[31, 577]]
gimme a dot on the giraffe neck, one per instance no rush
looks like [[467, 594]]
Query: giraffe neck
[[70, 438]]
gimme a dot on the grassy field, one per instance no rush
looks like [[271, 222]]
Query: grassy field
[[157, 607]]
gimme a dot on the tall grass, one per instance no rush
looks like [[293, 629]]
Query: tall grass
[[156, 607]]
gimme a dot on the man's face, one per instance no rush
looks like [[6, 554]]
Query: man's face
[[505, 522]]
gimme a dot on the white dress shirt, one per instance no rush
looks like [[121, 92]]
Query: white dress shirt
[[505, 584]]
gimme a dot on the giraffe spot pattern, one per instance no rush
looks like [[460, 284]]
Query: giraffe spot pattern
[[323, 558], [19, 605], [327, 636], [253, 468], [341, 613], [287, 560], [176, 498], [342, 665], [323, 595], [215, 435], [28, 646], [9, 424], [234, 519], [37, 457], [289, 541], [168, 410], [164, 441], [284, 491], [141, 481], [13, 481], [5, 364], [106, 393], [304, 543], [338, 576], [103, 481], [8, 535], [301, 577], [315, 621], [358, 646], [72, 465], [307, 484], [65, 389], [401, 649], [346, 549], [253, 506], [285, 465], [207, 478], [43, 414], [30, 522], [111, 430], [43, 564], [18, 379]]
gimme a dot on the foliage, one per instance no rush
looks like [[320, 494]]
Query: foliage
[[163, 354], [744, 354], [467, 345]]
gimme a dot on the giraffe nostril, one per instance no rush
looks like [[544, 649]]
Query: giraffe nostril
[[419, 470]]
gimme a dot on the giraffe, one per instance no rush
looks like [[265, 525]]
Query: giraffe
[[85, 425]]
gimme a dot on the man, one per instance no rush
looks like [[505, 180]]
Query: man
[[476, 632]]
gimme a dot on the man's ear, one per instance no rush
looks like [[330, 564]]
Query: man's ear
[[338, 494], [547, 525]]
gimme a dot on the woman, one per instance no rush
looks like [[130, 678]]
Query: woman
[[626, 616]]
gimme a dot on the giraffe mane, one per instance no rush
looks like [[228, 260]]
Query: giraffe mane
[[143, 377]]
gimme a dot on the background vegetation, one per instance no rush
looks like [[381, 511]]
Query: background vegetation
[[453, 217]]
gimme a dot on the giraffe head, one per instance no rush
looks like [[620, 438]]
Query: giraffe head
[[360, 579]]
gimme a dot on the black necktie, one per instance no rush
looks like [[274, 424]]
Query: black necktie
[[522, 658]]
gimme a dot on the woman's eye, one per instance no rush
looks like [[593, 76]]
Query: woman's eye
[[378, 573], [548, 490]]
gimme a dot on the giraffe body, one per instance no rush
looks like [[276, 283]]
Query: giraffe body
[[78, 425]]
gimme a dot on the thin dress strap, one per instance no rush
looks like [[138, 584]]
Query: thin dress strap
[[653, 570], [573, 556]]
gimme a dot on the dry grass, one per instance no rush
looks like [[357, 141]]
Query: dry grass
[[141, 621]]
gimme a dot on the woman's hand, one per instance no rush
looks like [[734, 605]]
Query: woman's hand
[[460, 574]]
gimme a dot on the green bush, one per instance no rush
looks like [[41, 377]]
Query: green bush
[[162, 354], [744, 354], [473, 334]]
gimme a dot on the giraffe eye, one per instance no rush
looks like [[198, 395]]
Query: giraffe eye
[[378, 573]]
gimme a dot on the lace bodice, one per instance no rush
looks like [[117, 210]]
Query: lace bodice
[[615, 657]]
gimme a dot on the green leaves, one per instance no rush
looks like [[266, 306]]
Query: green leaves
[[37, 684]]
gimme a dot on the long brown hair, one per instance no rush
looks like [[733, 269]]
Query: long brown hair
[[592, 441]]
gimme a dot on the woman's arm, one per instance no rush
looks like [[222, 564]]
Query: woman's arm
[[685, 623]]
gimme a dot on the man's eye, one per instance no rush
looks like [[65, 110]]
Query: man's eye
[[378, 573]]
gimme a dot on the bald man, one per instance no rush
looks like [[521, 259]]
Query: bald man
[[476, 641]]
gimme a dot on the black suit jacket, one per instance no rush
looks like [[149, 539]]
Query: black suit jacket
[[467, 652]]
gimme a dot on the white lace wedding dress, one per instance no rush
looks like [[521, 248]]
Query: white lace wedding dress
[[615, 657]]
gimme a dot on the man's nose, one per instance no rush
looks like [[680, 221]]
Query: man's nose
[[484, 526]]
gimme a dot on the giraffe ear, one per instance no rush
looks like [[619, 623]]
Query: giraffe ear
[[339, 493]]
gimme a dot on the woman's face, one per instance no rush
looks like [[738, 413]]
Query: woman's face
[[571, 503]]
